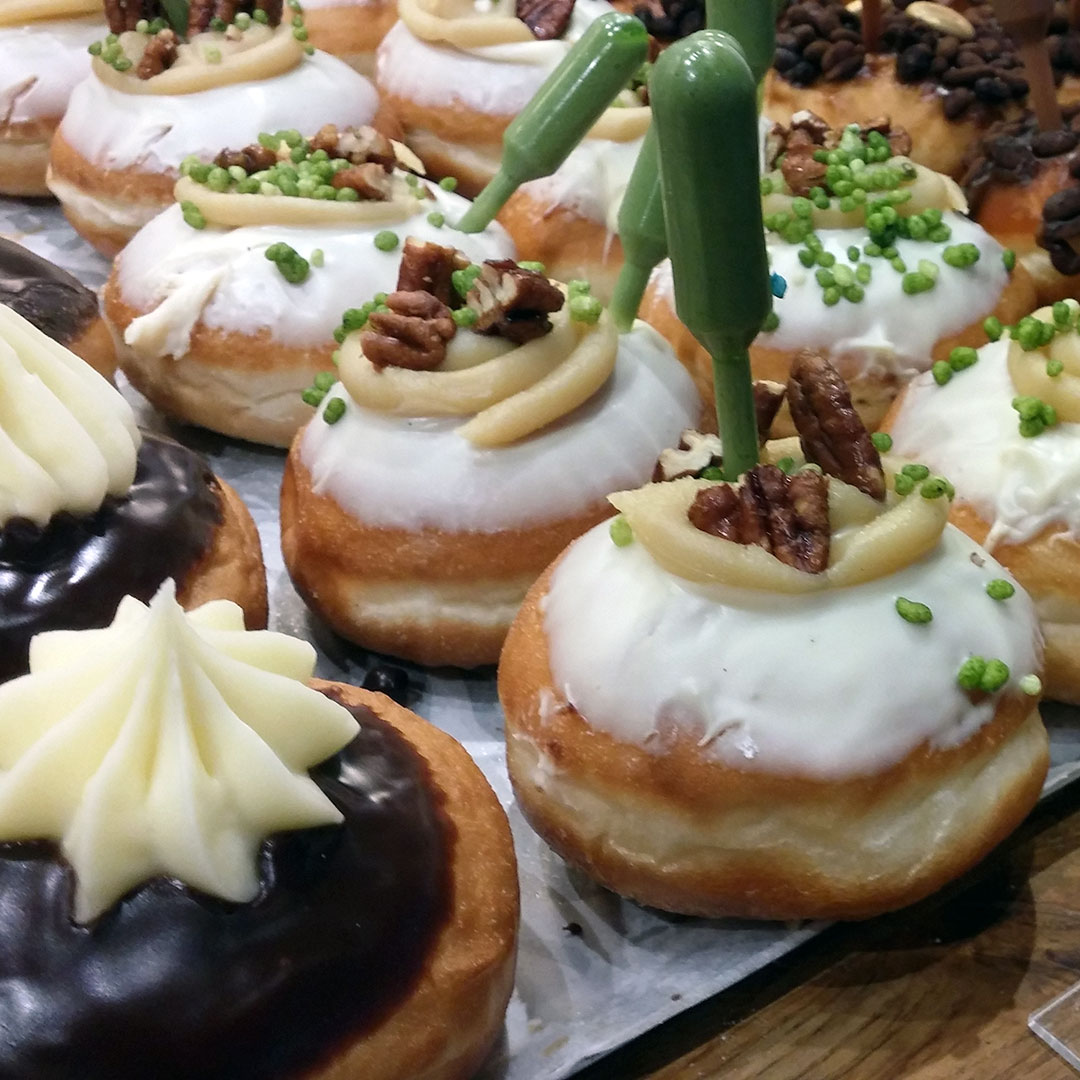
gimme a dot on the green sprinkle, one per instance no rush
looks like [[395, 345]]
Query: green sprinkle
[[347, 194], [917, 282], [325, 380], [464, 317], [463, 279], [971, 673], [831, 296], [317, 258], [995, 675], [621, 533], [854, 293], [766, 186], [193, 216], [218, 179], [992, 328], [786, 465], [1000, 589], [807, 257], [123, 64], [386, 240], [772, 321], [313, 397], [960, 256], [912, 611], [1030, 685], [94, 48], [217, 24], [853, 254], [1008, 257], [436, 219], [863, 273], [292, 266], [212, 55], [537, 268], [334, 411], [1054, 368], [260, 16], [882, 441], [586, 309], [917, 472], [934, 488], [448, 183], [300, 33], [242, 20], [904, 485], [1061, 313], [941, 370], [962, 357]]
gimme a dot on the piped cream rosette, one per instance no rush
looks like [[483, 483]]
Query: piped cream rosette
[[169, 743], [21, 12], [508, 391], [210, 59]]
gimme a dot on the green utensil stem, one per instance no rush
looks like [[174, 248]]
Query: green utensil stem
[[736, 416], [629, 289], [488, 203]]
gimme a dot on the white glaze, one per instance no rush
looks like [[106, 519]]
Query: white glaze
[[100, 212], [969, 431], [419, 473], [41, 63], [223, 278], [497, 79], [889, 332], [155, 133], [829, 685]]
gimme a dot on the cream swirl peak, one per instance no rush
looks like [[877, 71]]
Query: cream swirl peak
[[67, 437], [168, 744]]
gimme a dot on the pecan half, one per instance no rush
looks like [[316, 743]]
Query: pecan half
[[122, 15], [429, 267], [160, 53], [800, 170], [200, 12], [358, 145], [370, 181], [545, 18], [829, 428], [513, 302], [412, 334], [786, 515], [696, 451]]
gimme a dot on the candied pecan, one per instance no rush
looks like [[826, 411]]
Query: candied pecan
[[199, 15], [801, 172], [428, 267], [412, 334], [899, 139], [370, 181], [513, 302], [358, 145], [160, 53], [786, 515], [696, 451], [669, 20], [545, 18], [768, 397], [829, 428], [253, 158], [225, 10]]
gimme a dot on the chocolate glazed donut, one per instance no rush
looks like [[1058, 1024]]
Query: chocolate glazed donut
[[72, 574], [174, 984]]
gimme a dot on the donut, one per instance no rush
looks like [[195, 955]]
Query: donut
[[881, 318], [1016, 492], [92, 510], [822, 66], [419, 505], [351, 29], [710, 704], [56, 303], [454, 81], [117, 153], [42, 57], [1021, 188], [213, 332], [286, 878]]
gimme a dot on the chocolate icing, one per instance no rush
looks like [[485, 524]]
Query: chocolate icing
[[42, 293], [173, 984], [74, 573]]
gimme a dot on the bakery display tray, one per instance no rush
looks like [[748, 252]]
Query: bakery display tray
[[594, 971]]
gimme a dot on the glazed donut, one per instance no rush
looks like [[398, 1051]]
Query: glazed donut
[[1016, 491], [117, 153], [92, 510], [213, 332], [882, 328], [1021, 189], [655, 741], [55, 303], [418, 509], [901, 81], [42, 57], [350, 29], [454, 83], [339, 900]]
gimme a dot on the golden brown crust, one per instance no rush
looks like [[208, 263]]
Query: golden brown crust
[[871, 393], [24, 156], [940, 144], [448, 1024], [232, 568], [338, 563], [656, 795], [351, 31], [95, 345]]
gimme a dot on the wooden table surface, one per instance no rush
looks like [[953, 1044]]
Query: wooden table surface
[[941, 991]]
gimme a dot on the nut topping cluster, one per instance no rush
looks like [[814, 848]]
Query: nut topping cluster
[[513, 302], [412, 333]]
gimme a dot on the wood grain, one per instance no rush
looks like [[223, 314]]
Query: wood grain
[[940, 991]]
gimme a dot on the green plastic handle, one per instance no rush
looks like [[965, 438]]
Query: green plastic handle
[[573, 97], [703, 98], [752, 23], [641, 231]]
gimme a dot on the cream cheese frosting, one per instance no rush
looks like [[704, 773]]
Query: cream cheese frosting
[[168, 744], [420, 472], [889, 332], [67, 437], [831, 684], [222, 278], [115, 130], [40, 65], [969, 429]]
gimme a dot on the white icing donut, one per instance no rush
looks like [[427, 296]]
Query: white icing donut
[[223, 278], [40, 65], [115, 130], [969, 430], [757, 677], [399, 472]]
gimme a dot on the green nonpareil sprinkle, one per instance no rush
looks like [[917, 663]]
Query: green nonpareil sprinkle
[[853, 254], [941, 371], [912, 611], [334, 411], [260, 16], [1030, 685], [1061, 314], [916, 472], [1008, 257], [995, 675], [971, 672], [448, 183], [917, 282], [300, 33], [935, 488], [463, 279], [324, 380], [882, 441], [386, 240], [786, 465], [212, 55], [772, 321], [712, 472], [535, 267], [962, 357], [992, 328], [313, 397], [620, 532], [584, 308], [193, 216], [464, 316], [317, 257], [863, 273], [436, 219], [1000, 589], [1035, 415], [1054, 368], [904, 485], [292, 266]]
